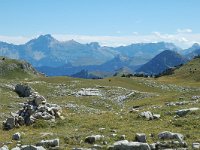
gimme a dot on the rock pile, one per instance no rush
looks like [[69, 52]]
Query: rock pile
[[36, 108]]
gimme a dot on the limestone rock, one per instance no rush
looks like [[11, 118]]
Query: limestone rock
[[93, 138], [196, 145], [141, 137], [169, 135], [149, 115], [23, 90], [126, 145], [16, 148], [9, 123], [49, 143], [5, 147], [32, 147], [16, 136], [184, 112]]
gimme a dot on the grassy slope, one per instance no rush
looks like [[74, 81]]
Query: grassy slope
[[15, 69], [78, 125]]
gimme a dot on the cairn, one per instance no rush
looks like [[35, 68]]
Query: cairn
[[35, 108]]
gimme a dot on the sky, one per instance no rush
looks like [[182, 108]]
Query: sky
[[109, 22]]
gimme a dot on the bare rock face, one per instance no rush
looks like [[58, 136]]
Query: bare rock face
[[36, 108]]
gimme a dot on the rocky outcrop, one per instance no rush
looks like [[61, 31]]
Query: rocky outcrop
[[23, 90], [36, 108]]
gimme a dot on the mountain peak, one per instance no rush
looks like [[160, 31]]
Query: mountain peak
[[196, 45], [46, 36], [42, 39]]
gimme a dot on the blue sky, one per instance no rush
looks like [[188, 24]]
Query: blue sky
[[125, 21]]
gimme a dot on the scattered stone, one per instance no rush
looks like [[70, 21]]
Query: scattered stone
[[195, 145], [9, 123], [183, 112], [195, 97], [166, 135], [177, 103], [156, 116], [141, 137], [97, 147], [123, 137], [16, 148], [101, 129], [88, 92], [93, 138], [4, 147], [126, 145], [113, 135], [16, 136], [32, 147], [49, 143], [149, 116]]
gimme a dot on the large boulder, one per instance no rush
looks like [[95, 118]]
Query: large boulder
[[23, 90]]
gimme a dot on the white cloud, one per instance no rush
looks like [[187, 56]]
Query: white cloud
[[183, 39], [184, 30], [14, 39]]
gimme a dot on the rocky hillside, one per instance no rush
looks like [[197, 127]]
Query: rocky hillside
[[12, 68], [161, 62]]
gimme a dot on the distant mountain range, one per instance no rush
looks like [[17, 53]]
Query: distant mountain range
[[55, 58]]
